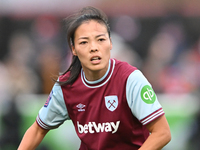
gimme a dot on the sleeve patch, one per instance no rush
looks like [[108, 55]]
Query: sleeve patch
[[148, 95], [48, 99]]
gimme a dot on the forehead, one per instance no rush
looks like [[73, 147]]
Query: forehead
[[90, 27]]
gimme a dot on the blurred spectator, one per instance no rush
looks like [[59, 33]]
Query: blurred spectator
[[18, 63], [46, 32], [49, 62], [183, 77], [6, 29], [45, 28], [127, 27], [17, 78], [162, 54], [5, 84], [11, 119], [122, 51]]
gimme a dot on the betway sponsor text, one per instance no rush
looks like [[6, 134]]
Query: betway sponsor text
[[92, 127]]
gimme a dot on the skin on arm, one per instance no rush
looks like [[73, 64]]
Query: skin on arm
[[32, 138], [160, 134]]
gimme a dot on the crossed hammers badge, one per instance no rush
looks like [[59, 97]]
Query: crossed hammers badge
[[111, 102]]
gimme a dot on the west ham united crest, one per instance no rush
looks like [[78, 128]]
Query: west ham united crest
[[111, 102]]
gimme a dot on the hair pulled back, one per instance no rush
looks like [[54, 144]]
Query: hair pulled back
[[72, 23]]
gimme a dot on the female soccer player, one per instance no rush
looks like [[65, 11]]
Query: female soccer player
[[111, 103]]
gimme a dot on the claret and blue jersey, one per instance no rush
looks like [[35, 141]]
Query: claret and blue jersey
[[109, 113]]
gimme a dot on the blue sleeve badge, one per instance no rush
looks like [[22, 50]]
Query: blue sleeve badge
[[48, 99]]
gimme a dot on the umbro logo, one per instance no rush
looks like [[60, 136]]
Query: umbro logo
[[80, 107]]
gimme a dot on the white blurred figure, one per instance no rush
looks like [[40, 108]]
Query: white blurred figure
[[5, 85], [21, 76], [125, 30], [123, 51]]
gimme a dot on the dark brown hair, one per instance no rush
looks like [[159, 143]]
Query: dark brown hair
[[72, 23]]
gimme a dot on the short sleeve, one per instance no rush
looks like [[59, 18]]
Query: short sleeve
[[141, 98], [54, 111]]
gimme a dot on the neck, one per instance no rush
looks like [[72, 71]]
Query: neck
[[96, 75]]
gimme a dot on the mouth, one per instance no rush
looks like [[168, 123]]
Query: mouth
[[95, 58]]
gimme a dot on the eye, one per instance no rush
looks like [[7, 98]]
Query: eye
[[83, 42], [101, 39]]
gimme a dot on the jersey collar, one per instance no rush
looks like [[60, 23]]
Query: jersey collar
[[100, 82]]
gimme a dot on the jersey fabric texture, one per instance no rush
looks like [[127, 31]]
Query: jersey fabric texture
[[108, 114]]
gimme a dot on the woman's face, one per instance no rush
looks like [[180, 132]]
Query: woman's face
[[92, 45]]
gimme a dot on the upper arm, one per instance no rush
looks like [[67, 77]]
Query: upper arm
[[39, 130], [159, 125], [160, 134]]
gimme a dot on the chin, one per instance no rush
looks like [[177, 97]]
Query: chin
[[98, 68]]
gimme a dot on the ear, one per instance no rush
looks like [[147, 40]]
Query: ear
[[73, 51], [111, 44]]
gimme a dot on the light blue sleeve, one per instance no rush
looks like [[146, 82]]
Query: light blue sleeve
[[141, 98], [54, 112]]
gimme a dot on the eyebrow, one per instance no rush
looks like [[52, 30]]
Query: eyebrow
[[95, 37]]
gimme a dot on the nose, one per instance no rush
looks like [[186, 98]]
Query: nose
[[94, 47], [93, 50]]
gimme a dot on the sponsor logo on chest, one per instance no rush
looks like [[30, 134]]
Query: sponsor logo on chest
[[92, 127]]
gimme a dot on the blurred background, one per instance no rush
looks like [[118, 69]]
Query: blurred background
[[160, 37]]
